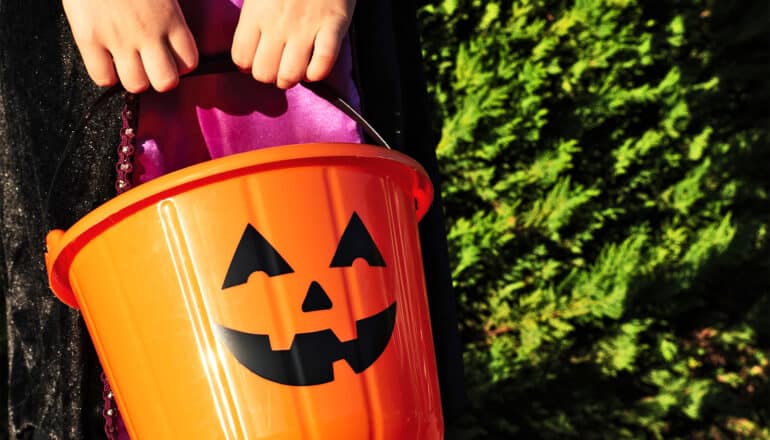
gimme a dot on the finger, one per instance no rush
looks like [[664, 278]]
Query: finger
[[160, 67], [183, 48], [246, 38], [131, 71], [294, 62], [266, 60], [99, 65], [327, 46]]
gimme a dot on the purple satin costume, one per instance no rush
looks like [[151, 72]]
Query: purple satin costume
[[215, 115], [211, 116]]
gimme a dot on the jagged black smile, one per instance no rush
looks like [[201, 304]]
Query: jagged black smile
[[310, 359]]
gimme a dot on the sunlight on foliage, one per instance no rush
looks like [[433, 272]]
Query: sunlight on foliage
[[605, 182]]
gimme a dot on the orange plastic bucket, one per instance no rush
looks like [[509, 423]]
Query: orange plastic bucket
[[276, 294]]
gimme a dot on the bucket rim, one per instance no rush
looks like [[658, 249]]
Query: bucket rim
[[62, 246]]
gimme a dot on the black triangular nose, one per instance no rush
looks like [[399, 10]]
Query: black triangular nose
[[316, 299]]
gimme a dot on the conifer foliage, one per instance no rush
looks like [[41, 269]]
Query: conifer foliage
[[606, 173]]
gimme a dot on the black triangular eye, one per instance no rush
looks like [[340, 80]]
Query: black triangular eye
[[356, 243], [254, 254]]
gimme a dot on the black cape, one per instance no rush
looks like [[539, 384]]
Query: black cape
[[53, 387]]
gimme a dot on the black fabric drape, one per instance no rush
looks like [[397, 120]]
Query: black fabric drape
[[53, 386], [51, 383]]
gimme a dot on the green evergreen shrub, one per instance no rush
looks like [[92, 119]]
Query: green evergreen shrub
[[605, 169]]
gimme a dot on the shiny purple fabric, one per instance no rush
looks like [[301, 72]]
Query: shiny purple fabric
[[216, 115]]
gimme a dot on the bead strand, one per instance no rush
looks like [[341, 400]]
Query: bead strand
[[126, 149], [124, 167]]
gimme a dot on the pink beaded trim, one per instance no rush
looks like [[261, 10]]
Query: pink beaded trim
[[110, 411], [125, 164], [124, 168]]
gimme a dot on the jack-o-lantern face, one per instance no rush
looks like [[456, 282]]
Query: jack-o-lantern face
[[310, 358]]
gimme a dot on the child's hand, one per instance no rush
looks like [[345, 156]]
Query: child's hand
[[148, 41], [286, 41]]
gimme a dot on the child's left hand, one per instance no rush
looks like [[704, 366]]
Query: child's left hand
[[286, 41]]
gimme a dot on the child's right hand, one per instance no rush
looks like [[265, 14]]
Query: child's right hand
[[147, 41]]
